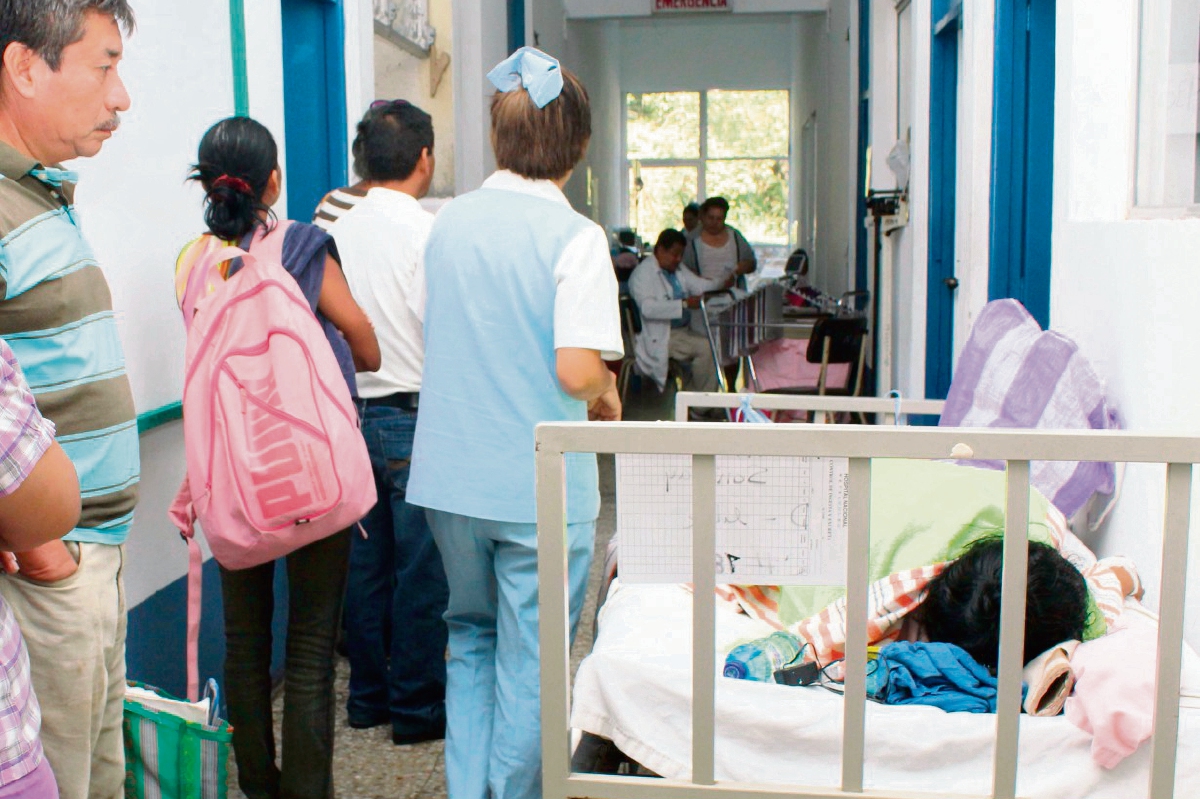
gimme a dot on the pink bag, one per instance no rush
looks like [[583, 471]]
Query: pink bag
[[275, 459]]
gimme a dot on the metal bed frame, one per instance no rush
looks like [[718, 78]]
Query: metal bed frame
[[884, 410], [859, 444], [755, 318]]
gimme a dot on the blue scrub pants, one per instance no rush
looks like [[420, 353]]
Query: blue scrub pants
[[493, 722]]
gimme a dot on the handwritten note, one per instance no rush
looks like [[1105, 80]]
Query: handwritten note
[[779, 521]]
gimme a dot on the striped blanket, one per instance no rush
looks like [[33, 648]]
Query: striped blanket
[[893, 597]]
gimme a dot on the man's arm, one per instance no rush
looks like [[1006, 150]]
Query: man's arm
[[44, 508], [39, 490]]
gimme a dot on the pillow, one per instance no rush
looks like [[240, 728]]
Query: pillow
[[1014, 374]]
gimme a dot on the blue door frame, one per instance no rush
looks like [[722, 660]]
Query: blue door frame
[[516, 25], [941, 283], [1023, 155], [314, 95], [864, 141]]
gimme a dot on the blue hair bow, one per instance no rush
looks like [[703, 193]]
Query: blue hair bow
[[531, 68]]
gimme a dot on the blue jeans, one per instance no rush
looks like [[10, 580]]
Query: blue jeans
[[493, 697], [395, 595]]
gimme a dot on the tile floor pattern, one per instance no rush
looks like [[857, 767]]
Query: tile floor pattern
[[366, 763]]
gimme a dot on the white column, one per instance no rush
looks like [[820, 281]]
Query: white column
[[614, 194], [480, 42], [360, 66], [972, 248]]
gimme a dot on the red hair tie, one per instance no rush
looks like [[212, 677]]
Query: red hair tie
[[230, 182]]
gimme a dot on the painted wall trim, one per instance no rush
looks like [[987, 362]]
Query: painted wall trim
[[241, 77], [171, 412], [405, 44]]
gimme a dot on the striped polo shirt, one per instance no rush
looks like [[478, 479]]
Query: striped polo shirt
[[56, 314], [336, 204]]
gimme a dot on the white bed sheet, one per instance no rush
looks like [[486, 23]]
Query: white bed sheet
[[635, 689]]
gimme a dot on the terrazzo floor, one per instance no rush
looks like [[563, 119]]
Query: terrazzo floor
[[366, 765]]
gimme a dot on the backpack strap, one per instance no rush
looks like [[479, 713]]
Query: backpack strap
[[268, 246], [183, 514], [194, 595], [206, 272]]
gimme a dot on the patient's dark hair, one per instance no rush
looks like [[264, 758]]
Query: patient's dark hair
[[962, 604], [670, 238]]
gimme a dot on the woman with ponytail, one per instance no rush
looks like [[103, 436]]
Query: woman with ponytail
[[238, 167]]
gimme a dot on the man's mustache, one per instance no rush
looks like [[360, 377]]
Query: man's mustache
[[110, 125]]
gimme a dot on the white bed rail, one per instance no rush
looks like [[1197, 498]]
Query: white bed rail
[[859, 444], [820, 406]]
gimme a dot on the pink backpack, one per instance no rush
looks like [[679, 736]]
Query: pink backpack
[[275, 458]]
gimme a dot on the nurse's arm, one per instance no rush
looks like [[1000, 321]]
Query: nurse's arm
[[583, 376]]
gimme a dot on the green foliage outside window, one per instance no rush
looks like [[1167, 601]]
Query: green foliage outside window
[[745, 159], [748, 124], [658, 204], [665, 125]]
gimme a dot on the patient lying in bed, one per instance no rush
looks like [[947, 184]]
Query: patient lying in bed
[[634, 689]]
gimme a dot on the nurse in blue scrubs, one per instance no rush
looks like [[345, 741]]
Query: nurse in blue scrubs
[[520, 314]]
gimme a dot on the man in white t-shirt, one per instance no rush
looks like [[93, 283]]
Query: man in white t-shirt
[[396, 591]]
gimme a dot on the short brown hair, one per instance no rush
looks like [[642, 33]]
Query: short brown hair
[[542, 143], [47, 27]]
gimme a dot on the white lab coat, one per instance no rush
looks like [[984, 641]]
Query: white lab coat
[[657, 305]]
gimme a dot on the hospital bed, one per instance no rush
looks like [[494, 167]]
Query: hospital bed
[[656, 691], [791, 346]]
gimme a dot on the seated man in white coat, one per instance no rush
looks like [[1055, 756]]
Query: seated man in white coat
[[666, 296]]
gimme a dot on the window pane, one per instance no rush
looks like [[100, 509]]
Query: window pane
[[659, 204], [663, 125], [1169, 104], [757, 192], [748, 124]]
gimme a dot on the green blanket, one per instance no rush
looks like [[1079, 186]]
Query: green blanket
[[924, 512]]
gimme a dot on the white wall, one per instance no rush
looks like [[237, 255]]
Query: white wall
[[1123, 287], [698, 52], [137, 211], [837, 113], [913, 244], [360, 63], [974, 199], [695, 53]]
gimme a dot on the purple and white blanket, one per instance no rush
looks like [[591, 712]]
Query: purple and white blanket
[[1014, 374]]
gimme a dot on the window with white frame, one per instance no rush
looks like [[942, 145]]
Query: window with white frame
[[1168, 168], [685, 146]]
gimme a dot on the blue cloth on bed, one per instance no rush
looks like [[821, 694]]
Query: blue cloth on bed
[[938, 674]]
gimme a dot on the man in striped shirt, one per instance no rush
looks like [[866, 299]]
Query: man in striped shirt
[[60, 96], [337, 203]]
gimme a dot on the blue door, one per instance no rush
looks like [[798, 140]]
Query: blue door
[[941, 282], [314, 95], [1023, 154]]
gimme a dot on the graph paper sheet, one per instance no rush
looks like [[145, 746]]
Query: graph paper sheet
[[780, 521]]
